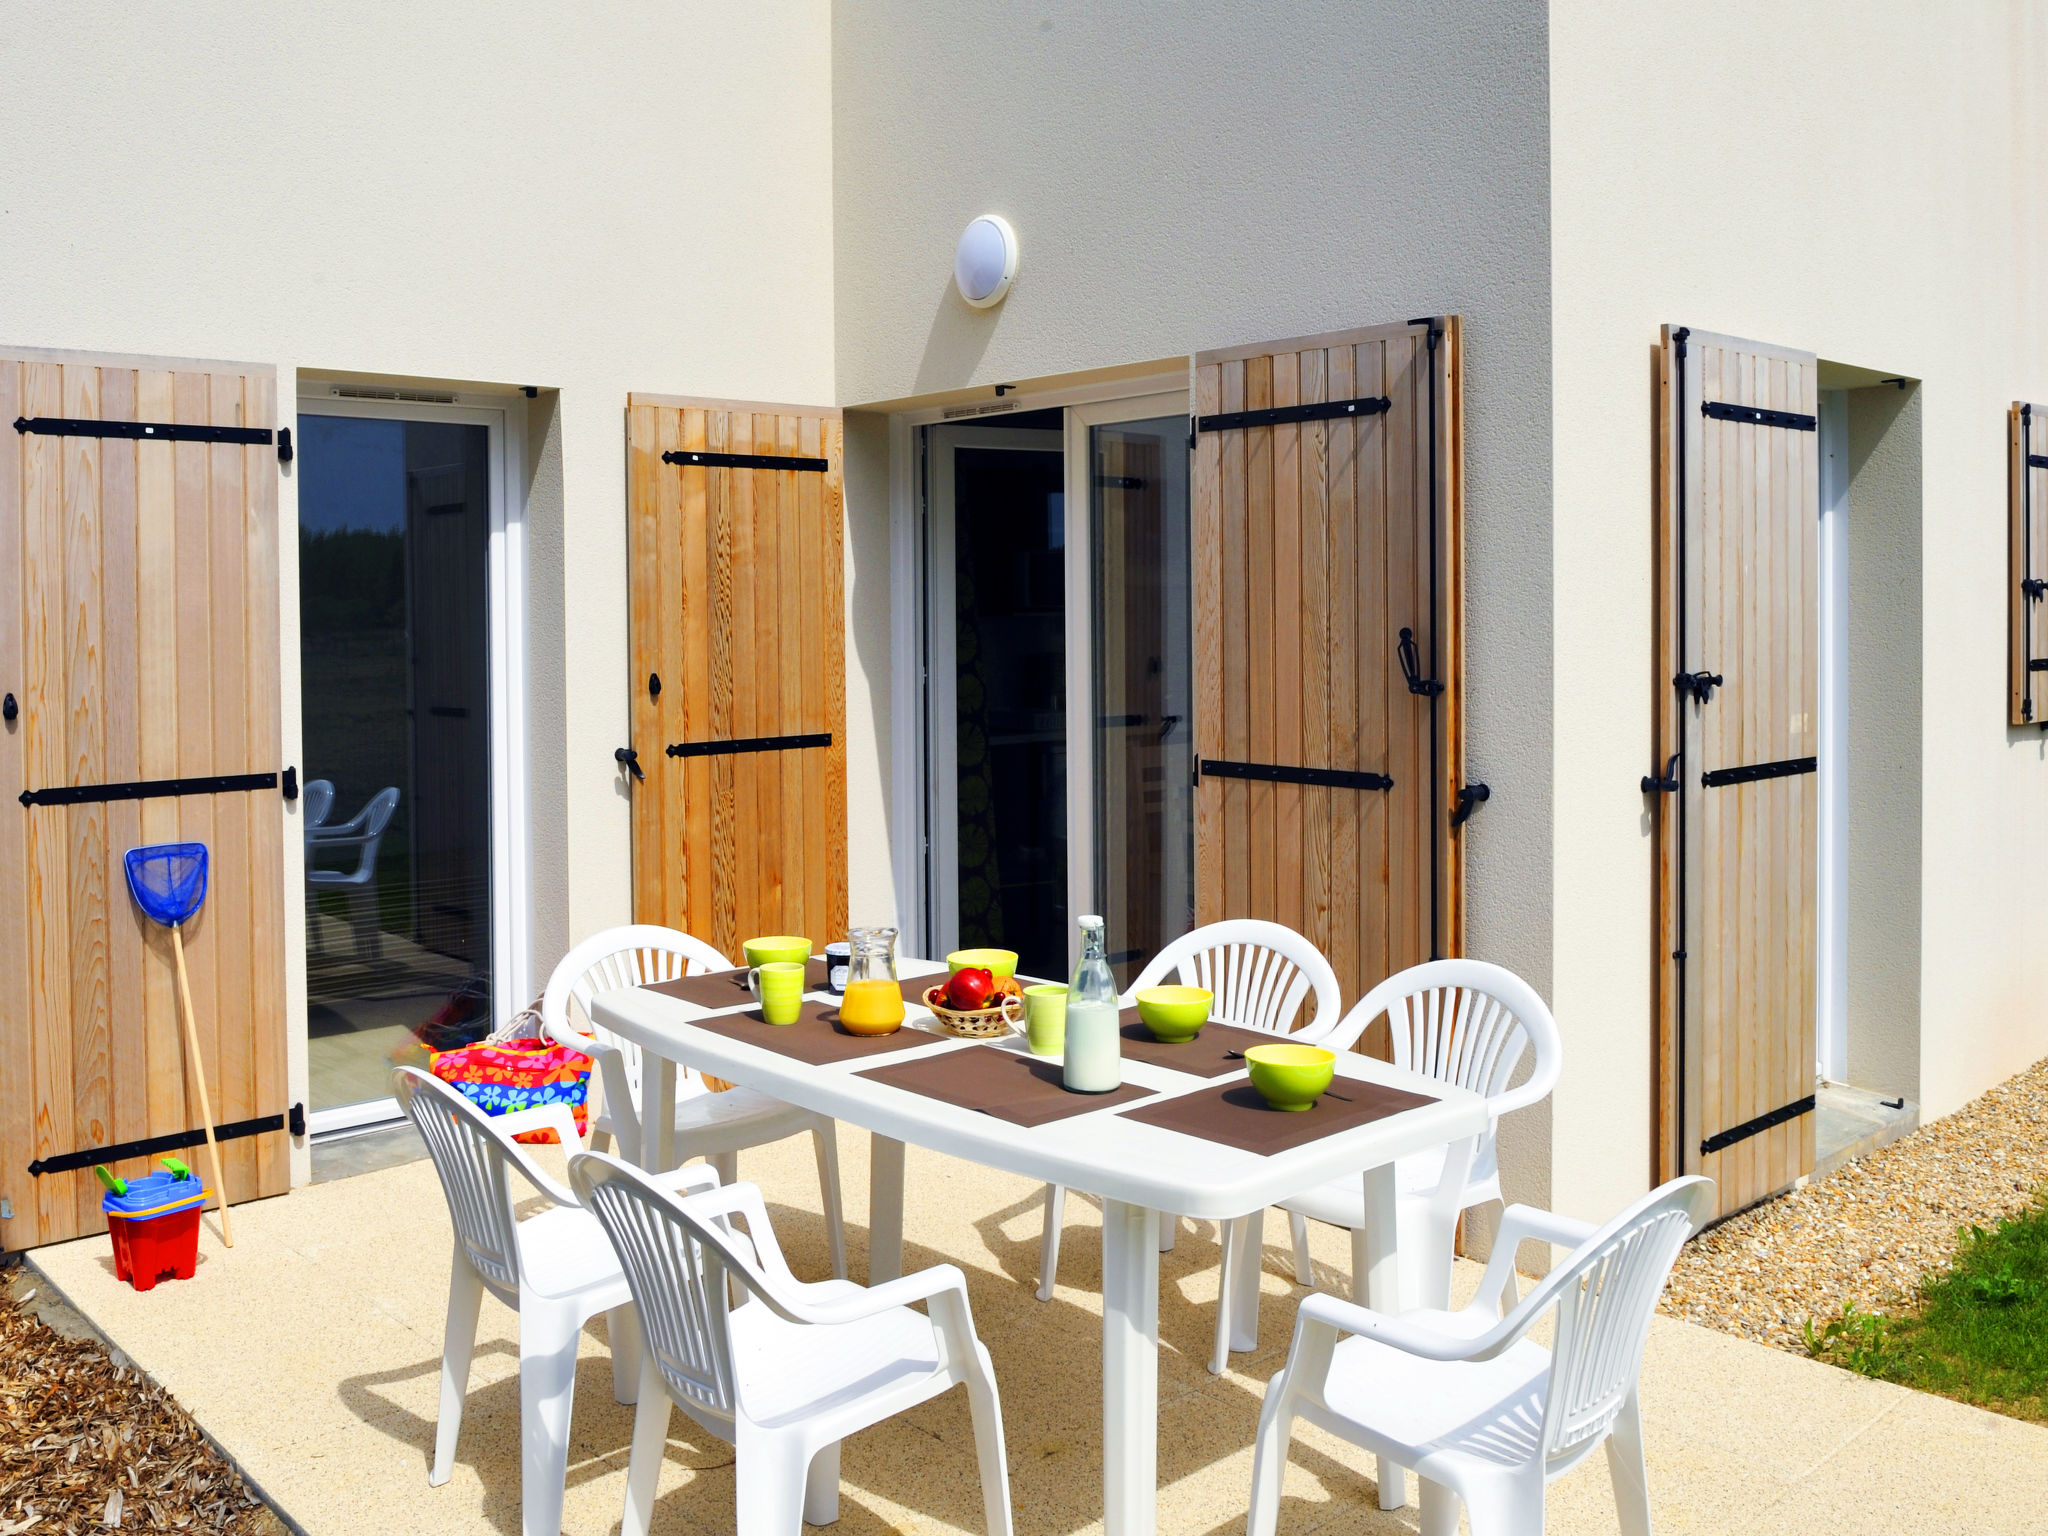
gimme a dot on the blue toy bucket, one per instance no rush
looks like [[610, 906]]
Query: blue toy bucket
[[168, 879]]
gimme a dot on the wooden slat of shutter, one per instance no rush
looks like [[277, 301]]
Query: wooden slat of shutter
[[139, 631], [1312, 549], [1737, 553], [737, 605], [2027, 615]]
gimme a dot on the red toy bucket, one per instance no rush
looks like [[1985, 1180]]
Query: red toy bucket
[[154, 1223]]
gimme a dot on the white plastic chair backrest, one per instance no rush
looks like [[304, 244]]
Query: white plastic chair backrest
[[316, 801], [470, 1156], [676, 1269], [628, 956], [1260, 972], [1607, 1291], [1467, 1023]]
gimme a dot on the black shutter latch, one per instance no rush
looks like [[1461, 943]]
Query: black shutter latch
[[1667, 785], [1411, 667], [630, 756], [1700, 685], [1470, 798]]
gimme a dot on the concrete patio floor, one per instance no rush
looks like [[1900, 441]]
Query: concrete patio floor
[[310, 1352]]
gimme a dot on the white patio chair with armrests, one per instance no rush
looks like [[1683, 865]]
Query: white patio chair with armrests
[[787, 1376], [714, 1126], [363, 832], [1464, 1399], [556, 1270], [1464, 1022], [1261, 974]]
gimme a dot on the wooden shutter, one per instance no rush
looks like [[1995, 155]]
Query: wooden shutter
[[1327, 520], [2027, 597], [139, 636], [739, 669], [1737, 732]]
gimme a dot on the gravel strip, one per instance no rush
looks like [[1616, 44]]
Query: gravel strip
[[1869, 1232]]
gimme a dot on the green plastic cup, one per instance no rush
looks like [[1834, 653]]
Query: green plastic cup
[[1045, 1018], [779, 988]]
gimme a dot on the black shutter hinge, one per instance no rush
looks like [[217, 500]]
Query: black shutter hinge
[[1470, 798], [2034, 586], [630, 757], [289, 783], [1411, 667], [284, 445], [1700, 685], [1670, 784]]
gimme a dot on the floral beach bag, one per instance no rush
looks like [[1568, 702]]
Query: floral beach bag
[[503, 1075]]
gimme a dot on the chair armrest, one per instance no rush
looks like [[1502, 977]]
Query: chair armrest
[[610, 1064], [1520, 1221], [1409, 1338], [1517, 1223], [689, 1179], [876, 1299], [542, 1117]]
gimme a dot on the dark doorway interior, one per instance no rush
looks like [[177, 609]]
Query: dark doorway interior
[[1010, 607], [394, 524]]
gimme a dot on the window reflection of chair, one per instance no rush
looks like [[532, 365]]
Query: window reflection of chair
[[316, 800], [362, 832]]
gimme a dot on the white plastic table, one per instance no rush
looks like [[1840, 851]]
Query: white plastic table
[[1138, 1170]]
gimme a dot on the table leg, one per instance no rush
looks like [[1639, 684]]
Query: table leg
[[658, 1128], [885, 1210], [1130, 1368], [1380, 1263], [1245, 1269]]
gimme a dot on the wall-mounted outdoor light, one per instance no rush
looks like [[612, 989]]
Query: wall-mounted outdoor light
[[985, 262]]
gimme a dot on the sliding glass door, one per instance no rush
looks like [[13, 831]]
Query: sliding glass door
[[1057, 659]]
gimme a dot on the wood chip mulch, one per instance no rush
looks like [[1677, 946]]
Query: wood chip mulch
[[1869, 1232], [88, 1446]]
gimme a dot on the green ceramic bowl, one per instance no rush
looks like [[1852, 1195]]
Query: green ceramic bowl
[[1174, 1014], [1290, 1076], [999, 963], [777, 949]]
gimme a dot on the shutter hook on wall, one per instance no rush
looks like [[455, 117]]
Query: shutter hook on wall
[[630, 756], [1668, 784], [1470, 798]]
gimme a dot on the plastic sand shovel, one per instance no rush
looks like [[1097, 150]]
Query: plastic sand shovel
[[169, 883]]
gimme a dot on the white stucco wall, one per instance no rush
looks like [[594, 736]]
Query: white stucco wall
[[1872, 185], [593, 199], [1184, 177]]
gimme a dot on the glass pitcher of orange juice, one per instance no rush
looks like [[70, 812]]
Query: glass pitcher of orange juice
[[873, 1004]]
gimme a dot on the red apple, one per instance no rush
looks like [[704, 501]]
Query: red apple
[[970, 988]]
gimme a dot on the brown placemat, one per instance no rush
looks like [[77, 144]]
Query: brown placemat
[[1209, 1054], [727, 989], [1235, 1115], [816, 1037], [1024, 1090]]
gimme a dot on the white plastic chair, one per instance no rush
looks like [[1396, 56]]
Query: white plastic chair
[[787, 1376], [714, 1126], [555, 1270], [1463, 1022], [363, 832], [1261, 973], [1479, 1412]]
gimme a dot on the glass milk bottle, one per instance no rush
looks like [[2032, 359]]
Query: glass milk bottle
[[1094, 1053]]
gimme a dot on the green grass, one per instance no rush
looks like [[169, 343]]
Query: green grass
[[1978, 1333]]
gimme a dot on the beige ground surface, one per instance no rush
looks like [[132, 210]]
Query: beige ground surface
[[311, 1351]]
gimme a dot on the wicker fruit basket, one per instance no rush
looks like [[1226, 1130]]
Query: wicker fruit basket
[[1003, 1015]]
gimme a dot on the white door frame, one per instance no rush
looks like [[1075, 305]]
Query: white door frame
[[511, 881], [911, 812], [1081, 706], [941, 767], [1831, 904]]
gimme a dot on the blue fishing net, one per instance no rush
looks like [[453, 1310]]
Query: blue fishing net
[[168, 879]]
